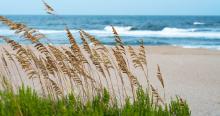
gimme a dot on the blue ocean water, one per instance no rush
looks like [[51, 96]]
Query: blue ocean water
[[185, 31]]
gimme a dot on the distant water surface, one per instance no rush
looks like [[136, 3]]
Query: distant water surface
[[185, 31]]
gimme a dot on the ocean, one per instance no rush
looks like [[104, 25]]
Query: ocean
[[184, 31]]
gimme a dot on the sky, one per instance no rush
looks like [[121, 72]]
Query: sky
[[112, 7]]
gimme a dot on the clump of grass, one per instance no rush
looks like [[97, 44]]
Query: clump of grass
[[28, 103]]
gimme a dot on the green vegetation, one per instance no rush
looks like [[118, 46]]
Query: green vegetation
[[28, 103]]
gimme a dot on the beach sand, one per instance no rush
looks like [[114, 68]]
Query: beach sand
[[193, 74]]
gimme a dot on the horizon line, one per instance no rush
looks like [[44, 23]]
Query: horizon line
[[103, 15]]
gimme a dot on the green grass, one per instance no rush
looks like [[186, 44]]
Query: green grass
[[28, 103]]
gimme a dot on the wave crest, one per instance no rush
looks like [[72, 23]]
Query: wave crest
[[127, 31], [118, 28], [198, 23], [168, 29]]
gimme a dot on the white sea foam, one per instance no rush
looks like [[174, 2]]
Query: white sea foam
[[198, 23], [126, 31], [201, 46], [166, 32], [168, 29], [118, 28]]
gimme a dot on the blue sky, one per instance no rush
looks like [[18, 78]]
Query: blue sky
[[114, 7]]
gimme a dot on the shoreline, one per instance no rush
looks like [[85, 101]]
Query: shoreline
[[199, 50], [178, 50]]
